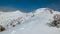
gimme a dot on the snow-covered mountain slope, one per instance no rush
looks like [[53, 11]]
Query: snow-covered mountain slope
[[34, 23], [8, 19]]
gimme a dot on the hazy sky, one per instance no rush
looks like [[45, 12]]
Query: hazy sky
[[29, 5]]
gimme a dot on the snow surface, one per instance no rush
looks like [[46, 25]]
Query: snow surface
[[36, 24]]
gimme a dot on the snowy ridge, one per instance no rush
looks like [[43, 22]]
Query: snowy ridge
[[31, 23], [7, 18]]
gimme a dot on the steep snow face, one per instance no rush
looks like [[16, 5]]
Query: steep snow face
[[6, 18]]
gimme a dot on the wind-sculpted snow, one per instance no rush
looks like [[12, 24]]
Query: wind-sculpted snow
[[31, 23]]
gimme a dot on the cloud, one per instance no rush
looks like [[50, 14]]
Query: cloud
[[6, 9]]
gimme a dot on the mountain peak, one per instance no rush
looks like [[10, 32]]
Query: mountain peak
[[44, 10]]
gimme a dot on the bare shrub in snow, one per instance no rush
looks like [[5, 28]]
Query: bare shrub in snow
[[51, 12], [56, 21], [2, 28], [13, 25]]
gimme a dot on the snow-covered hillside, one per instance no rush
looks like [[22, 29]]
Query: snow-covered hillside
[[28, 23]]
